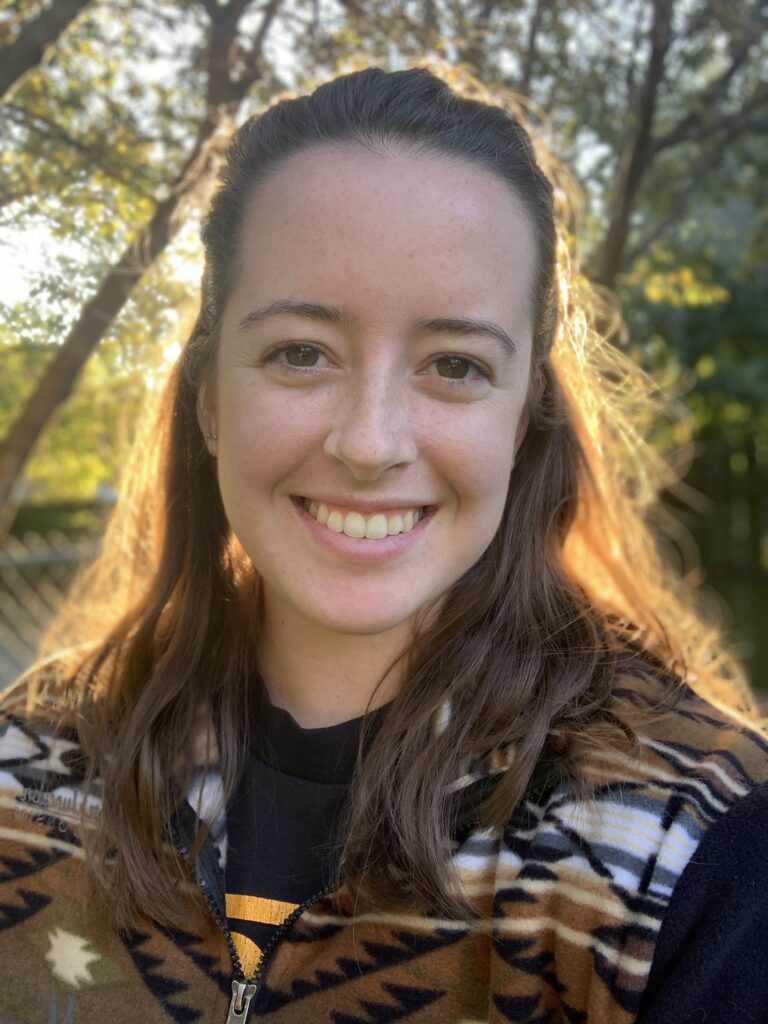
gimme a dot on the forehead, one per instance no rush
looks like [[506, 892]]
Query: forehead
[[392, 230]]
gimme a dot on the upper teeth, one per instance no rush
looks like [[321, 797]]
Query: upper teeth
[[353, 524]]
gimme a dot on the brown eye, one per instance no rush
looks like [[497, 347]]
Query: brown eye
[[453, 367], [301, 355]]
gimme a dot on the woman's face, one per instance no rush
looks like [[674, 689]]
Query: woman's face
[[371, 379]]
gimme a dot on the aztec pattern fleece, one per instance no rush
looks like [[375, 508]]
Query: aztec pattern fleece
[[575, 893]]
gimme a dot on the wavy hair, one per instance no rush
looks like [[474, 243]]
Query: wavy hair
[[527, 645]]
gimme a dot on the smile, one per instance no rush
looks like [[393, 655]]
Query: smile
[[354, 524]]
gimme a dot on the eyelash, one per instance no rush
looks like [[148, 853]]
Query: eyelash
[[291, 346], [482, 371]]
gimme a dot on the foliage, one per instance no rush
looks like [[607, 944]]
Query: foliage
[[81, 454], [92, 138], [697, 301], [120, 194]]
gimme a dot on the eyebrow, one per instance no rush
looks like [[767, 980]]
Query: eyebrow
[[309, 310], [456, 326], [464, 326]]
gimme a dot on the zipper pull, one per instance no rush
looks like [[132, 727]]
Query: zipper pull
[[242, 994]]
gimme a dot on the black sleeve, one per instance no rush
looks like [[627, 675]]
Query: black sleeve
[[711, 959]]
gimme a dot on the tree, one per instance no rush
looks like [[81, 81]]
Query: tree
[[225, 88], [34, 38], [80, 452], [640, 84], [647, 100], [713, 116]]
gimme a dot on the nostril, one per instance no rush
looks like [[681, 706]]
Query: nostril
[[368, 453]]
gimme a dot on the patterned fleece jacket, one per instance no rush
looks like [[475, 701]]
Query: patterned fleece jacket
[[645, 902]]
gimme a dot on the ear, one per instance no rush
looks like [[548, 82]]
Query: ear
[[206, 420], [538, 384]]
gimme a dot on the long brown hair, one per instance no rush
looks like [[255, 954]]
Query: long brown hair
[[527, 644]]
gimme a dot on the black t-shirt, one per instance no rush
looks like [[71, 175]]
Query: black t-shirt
[[712, 950], [282, 822]]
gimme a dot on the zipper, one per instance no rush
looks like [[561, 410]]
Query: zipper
[[240, 1004], [243, 990], [212, 906]]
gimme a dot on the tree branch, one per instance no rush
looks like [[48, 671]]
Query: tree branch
[[99, 313], [637, 33], [635, 150], [475, 51], [29, 47], [686, 127], [47, 129], [255, 51], [661, 227], [530, 48], [364, 20], [731, 130], [210, 7]]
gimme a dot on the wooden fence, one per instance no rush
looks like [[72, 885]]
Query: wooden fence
[[731, 532], [35, 572]]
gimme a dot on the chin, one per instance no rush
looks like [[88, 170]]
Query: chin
[[357, 622]]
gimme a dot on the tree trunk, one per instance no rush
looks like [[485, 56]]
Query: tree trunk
[[474, 31], [98, 314], [636, 148], [96, 317], [28, 48], [530, 49]]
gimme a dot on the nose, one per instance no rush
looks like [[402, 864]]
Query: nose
[[372, 429]]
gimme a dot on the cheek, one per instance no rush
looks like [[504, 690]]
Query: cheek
[[263, 432], [269, 416], [475, 455]]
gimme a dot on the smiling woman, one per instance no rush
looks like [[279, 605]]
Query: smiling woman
[[386, 709], [376, 364]]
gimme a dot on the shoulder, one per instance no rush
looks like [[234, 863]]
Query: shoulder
[[47, 803], [605, 868], [42, 766], [691, 763], [42, 753], [713, 945], [688, 764], [688, 743]]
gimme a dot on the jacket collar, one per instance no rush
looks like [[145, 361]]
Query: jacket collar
[[204, 798]]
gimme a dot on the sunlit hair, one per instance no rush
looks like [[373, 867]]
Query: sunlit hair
[[527, 645]]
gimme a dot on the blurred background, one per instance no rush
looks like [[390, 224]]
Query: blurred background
[[113, 118]]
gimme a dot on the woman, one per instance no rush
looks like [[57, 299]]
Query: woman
[[395, 722]]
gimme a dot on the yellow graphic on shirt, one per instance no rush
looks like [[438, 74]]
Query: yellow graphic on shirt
[[258, 908], [261, 911], [248, 951]]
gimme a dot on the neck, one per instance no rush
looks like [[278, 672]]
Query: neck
[[321, 677]]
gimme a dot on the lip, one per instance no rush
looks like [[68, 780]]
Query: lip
[[366, 507], [362, 549]]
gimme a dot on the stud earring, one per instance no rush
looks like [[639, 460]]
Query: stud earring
[[211, 436]]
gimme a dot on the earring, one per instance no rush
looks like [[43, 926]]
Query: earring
[[211, 436]]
